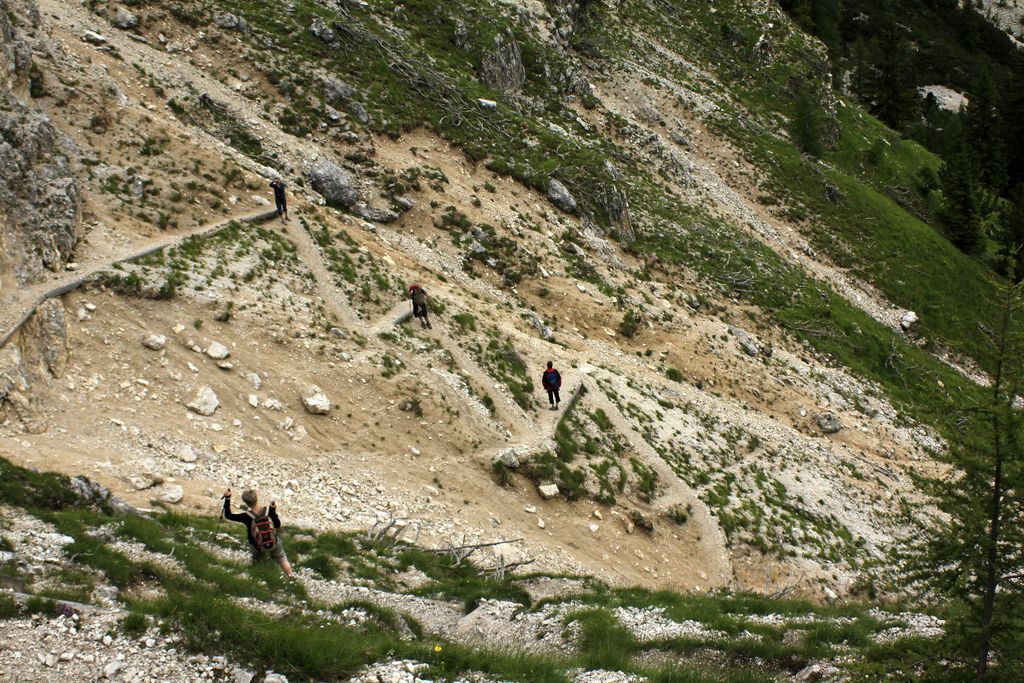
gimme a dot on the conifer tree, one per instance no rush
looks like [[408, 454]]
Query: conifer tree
[[808, 124], [962, 211], [1013, 233], [984, 132], [890, 88], [971, 553]]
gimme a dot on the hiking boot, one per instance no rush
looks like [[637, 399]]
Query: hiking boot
[[553, 407], [428, 325]]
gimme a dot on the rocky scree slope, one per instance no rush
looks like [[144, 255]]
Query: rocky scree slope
[[564, 192]]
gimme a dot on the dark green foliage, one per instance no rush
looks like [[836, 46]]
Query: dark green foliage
[[1012, 238], [134, 625], [27, 489], [890, 88], [972, 554], [501, 472], [983, 132], [8, 607], [629, 324], [962, 208], [808, 124], [604, 642]]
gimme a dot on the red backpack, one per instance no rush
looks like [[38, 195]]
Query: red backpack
[[263, 531]]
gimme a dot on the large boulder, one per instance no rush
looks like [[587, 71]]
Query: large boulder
[[908, 320], [171, 493], [315, 401], [123, 19], [44, 340], [334, 183], [337, 91], [205, 402], [503, 66], [745, 341], [340, 93], [231, 22], [217, 351], [155, 342], [15, 55], [16, 399], [561, 197], [375, 215], [829, 423]]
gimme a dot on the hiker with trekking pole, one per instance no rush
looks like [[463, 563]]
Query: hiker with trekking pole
[[262, 526]]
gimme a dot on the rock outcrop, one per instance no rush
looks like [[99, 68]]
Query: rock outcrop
[[503, 67], [616, 203], [340, 93], [39, 200]]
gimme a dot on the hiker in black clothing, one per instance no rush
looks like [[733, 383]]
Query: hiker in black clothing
[[280, 199], [262, 526], [419, 304], [552, 382]]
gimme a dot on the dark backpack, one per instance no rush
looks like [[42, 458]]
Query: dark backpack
[[551, 379], [263, 531]]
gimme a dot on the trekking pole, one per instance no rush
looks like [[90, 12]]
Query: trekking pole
[[220, 517]]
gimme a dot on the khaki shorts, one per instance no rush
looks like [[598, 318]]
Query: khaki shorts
[[276, 553]]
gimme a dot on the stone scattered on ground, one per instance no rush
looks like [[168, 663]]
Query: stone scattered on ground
[[547, 491], [217, 351], [156, 342], [908, 320]]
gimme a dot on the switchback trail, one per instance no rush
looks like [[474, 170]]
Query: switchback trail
[[20, 304]]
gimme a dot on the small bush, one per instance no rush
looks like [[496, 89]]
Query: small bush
[[629, 325], [679, 514], [501, 472], [134, 625], [8, 607]]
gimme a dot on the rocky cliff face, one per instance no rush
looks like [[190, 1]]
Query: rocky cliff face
[[39, 199], [39, 213]]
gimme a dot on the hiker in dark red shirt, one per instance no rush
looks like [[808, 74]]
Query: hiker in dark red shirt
[[262, 525], [552, 382], [419, 304]]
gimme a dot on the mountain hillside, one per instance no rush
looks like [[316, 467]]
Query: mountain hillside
[[758, 344]]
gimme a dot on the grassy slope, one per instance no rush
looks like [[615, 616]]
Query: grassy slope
[[201, 604], [882, 242]]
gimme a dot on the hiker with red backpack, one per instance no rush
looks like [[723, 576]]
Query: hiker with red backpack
[[262, 525], [419, 304], [552, 382]]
